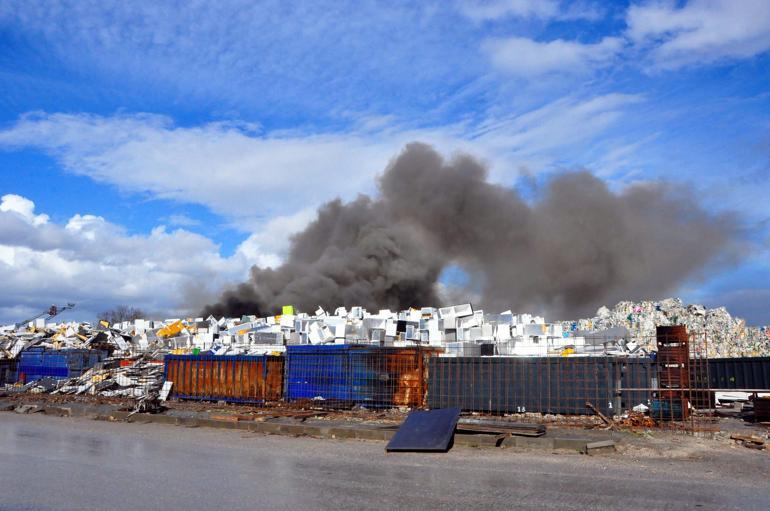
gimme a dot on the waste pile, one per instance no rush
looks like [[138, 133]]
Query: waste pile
[[126, 378], [58, 336], [125, 359], [136, 378], [726, 336], [459, 329]]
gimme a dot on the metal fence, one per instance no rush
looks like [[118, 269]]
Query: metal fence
[[676, 386], [680, 392], [342, 376]]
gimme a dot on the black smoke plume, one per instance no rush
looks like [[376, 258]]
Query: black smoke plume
[[578, 245]]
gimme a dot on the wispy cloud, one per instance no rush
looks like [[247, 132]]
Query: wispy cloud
[[182, 220], [700, 32], [242, 55], [529, 59], [481, 10], [248, 176]]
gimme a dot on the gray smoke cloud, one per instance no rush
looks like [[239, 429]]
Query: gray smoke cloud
[[575, 246]]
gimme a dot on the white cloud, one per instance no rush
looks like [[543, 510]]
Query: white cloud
[[250, 178], [482, 10], [182, 220], [550, 131], [700, 32], [494, 9], [234, 172], [268, 245], [23, 208], [94, 263], [269, 184], [527, 58]]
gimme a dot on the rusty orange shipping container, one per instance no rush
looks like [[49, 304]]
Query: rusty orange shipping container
[[231, 378]]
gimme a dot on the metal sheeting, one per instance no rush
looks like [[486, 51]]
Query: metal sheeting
[[425, 431], [740, 373], [636, 373], [346, 375], [231, 378], [538, 384]]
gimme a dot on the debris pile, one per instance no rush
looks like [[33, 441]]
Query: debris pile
[[750, 441], [115, 378], [635, 419], [459, 329], [121, 378], [727, 336], [57, 336]]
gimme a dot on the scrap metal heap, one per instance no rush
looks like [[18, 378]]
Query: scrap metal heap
[[727, 336], [459, 329], [131, 353], [627, 328]]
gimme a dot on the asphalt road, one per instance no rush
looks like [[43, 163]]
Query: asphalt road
[[66, 463]]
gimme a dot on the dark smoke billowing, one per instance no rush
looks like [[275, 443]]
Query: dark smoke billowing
[[577, 246]]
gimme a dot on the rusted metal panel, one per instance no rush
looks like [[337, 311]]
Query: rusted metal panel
[[673, 362], [408, 367], [231, 378]]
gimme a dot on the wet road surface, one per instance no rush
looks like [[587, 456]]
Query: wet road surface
[[51, 463]]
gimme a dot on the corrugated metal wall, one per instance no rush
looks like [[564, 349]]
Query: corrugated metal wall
[[538, 384], [231, 378], [740, 373]]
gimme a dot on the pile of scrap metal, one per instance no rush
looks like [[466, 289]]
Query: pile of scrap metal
[[132, 378], [113, 377], [728, 336], [635, 420], [58, 336], [460, 329]]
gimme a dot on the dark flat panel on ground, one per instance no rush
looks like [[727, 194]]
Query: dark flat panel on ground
[[426, 431]]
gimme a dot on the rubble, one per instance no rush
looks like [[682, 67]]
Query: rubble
[[727, 336]]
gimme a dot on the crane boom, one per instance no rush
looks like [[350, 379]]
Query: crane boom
[[52, 311]]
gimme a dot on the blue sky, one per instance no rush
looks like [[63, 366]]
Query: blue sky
[[151, 152]]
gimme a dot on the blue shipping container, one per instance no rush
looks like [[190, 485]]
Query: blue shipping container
[[37, 363], [319, 372], [350, 374]]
